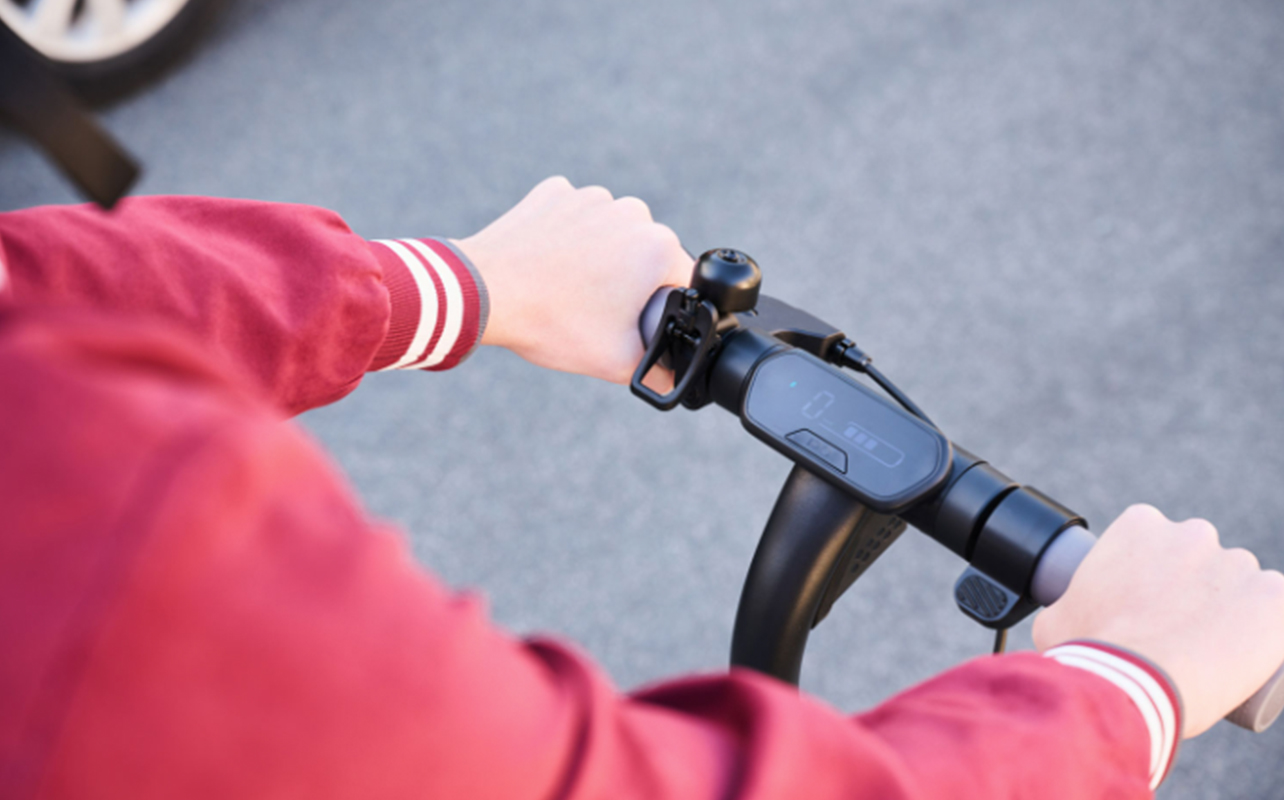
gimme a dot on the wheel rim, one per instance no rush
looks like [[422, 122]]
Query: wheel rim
[[81, 31]]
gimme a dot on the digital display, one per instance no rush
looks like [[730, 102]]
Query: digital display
[[864, 441], [820, 417]]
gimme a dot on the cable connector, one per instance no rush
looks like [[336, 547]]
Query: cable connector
[[848, 354]]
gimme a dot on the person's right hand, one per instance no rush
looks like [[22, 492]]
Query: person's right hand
[[568, 271], [1208, 616]]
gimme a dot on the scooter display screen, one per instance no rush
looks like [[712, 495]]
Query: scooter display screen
[[843, 431]]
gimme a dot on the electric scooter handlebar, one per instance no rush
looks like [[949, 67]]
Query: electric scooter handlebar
[[864, 469]]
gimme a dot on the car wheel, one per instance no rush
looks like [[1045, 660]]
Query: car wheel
[[107, 48]]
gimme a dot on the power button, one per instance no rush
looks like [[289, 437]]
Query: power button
[[820, 448]]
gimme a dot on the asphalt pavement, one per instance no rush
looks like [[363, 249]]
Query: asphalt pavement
[[1058, 226]]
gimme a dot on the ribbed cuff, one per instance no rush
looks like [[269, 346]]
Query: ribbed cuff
[[1147, 686], [438, 301]]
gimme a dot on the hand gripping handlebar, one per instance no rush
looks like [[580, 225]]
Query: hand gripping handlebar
[[1051, 577], [864, 469]]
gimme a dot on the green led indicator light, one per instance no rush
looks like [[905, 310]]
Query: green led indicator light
[[792, 385]]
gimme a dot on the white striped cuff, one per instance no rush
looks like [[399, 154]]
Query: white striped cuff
[[1147, 687], [438, 305]]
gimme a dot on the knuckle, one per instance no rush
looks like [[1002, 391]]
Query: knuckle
[[634, 207], [1243, 559], [1273, 582], [1200, 531], [555, 183], [1144, 511], [596, 194], [1138, 520]]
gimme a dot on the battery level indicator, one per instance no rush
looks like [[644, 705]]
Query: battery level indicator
[[876, 448]]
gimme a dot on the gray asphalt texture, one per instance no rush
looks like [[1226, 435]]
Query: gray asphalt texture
[[1058, 226]]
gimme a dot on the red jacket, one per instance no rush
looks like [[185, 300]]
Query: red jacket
[[193, 603]]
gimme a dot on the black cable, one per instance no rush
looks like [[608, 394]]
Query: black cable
[[849, 355], [1000, 641], [896, 394]]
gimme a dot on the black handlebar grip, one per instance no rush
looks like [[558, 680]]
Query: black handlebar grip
[[649, 320]]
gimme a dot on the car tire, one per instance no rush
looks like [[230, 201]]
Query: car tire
[[153, 36]]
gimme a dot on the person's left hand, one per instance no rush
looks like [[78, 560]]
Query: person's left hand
[[568, 272]]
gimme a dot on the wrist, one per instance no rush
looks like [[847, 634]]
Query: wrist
[[482, 261], [1146, 685]]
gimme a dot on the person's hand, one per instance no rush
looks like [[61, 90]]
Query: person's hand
[[568, 271], [1209, 617]]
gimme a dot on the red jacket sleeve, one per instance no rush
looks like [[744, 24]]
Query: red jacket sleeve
[[193, 605], [288, 293]]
